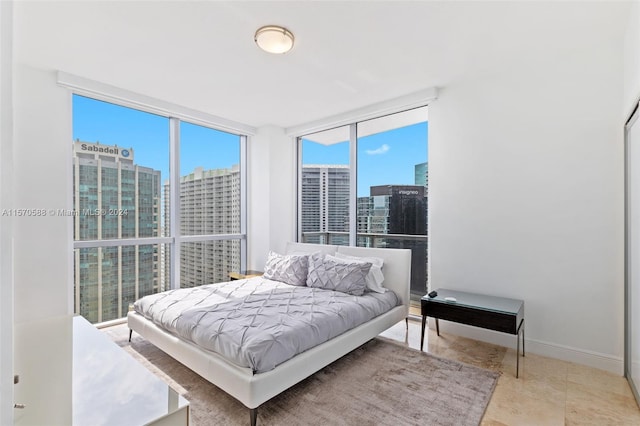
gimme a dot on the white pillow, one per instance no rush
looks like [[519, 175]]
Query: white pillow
[[337, 275], [290, 269], [375, 277]]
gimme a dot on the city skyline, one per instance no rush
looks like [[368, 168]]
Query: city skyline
[[383, 158], [123, 151]]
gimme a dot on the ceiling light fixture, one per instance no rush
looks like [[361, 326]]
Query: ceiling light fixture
[[274, 39]]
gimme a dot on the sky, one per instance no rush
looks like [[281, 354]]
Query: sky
[[386, 158], [148, 135]]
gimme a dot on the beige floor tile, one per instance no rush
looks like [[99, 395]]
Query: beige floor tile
[[593, 404], [592, 377], [538, 369], [548, 392], [525, 401]]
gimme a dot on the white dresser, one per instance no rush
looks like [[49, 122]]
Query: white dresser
[[72, 374]]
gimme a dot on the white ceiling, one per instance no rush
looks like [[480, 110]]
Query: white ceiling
[[347, 55]]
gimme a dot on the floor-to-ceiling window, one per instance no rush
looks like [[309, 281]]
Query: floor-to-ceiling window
[[139, 227], [325, 187], [392, 188], [209, 204], [380, 182]]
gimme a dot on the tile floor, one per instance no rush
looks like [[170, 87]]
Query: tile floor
[[548, 392]]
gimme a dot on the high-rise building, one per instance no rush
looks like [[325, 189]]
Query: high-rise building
[[166, 250], [393, 209], [422, 178], [422, 174], [113, 198], [209, 204], [400, 210], [325, 204]]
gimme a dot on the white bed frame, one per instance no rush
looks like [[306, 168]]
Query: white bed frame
[[254, 389]]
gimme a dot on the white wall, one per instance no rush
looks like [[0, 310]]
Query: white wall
[[283, 202], [271, 194], [632, 60], [6, 193], [42, 176], [526, 198], [258, 217]]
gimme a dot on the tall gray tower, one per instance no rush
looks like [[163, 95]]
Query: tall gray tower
[[113, 199], [209, 204], [325, 204]]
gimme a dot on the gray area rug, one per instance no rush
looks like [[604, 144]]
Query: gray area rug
[[381, 383]]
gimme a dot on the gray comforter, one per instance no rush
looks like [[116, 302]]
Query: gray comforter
[[259, 323]]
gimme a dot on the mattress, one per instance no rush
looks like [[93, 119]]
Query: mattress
[[260, 323]]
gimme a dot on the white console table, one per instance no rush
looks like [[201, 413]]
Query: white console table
[[73, 374]]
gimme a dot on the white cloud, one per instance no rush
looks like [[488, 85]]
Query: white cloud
[[383, 149]]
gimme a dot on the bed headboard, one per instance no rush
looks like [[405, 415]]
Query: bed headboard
[[396, 269]]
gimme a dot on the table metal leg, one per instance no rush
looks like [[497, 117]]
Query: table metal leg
[[520, 328], [518, 355], [424, 322], [523, 337]]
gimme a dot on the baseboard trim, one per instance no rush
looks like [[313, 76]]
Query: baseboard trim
[[593, 359]]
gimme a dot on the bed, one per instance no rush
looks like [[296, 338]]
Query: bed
[[253, 380]]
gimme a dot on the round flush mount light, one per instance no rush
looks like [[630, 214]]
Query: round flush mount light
[[274, 39]]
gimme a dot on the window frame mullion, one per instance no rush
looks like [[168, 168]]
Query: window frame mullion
[[243, 201], [353, 184], [174, 200]]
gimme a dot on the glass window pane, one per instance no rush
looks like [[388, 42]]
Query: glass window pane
[[120, 157], [325, 179], [392, 187], [86, 283], [109, 279], [208, 262], [121, 189], [209, 181]]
